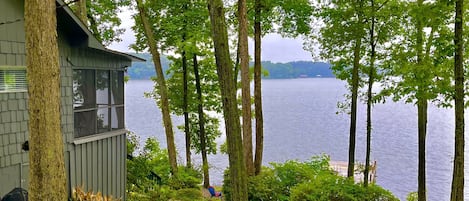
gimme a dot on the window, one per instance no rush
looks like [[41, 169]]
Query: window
[[98, 101], [13, 79]]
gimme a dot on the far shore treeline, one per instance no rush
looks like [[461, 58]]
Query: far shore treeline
[[289, 70]]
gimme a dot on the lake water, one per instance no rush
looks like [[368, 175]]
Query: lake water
[[300, 121]]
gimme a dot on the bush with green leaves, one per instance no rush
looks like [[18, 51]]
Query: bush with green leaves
[[337, 188], [186, 178], [309, 180], [149, 174], [412, 196]]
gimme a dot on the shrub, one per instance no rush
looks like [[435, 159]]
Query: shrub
[[186, 178], [264, 186], [337, 188], [412, 196], [304, 181], [189, 194], [274, 183], [149, 175]]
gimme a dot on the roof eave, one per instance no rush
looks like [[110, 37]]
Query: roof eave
[[92, 42]]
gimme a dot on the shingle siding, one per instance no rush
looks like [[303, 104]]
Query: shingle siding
[[11, 132]]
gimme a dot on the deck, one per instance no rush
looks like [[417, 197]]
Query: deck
[[341, 168]]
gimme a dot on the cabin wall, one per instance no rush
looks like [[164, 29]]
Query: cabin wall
[[98, 164], [13, 106]]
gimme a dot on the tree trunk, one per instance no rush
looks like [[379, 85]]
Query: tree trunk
[[46, 155], [162, 87], [457, 186], [186, 113], [236, 70], [421, 112], [353, 115], [246, 88], [369, 101], [203, 144], [82, 12], [258, 89], [422, 129], [238, 177], [355, 85]]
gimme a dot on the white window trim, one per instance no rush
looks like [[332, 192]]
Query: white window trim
[[100, 136]]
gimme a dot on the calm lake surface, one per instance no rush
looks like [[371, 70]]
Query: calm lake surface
[[300, 121]]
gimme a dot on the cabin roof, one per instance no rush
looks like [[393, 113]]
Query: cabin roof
[[78, 33]]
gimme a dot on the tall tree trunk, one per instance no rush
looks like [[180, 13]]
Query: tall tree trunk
[[457, 186], [353, 115], [46, 155], [422, 130], [162, 87], [186, 112], [355, 83], [203, 144], [369, 102], [246, 88], [236, 70], [258, 89], [82, 11], [238, 177], [421, 112]]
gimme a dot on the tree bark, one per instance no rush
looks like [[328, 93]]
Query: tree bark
[[202, 134], [186, 111], [457, 186], [258, 89], [46, 155], [353, 114], [369, 102], [238, 177], [246, 88], [355, 83], [422, 129], [421, 112], [82, 12], [162, 87]]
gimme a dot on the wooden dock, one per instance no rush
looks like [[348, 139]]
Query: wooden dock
[[341, 168]]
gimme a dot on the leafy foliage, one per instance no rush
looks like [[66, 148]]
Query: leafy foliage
[[334, 188], [310, 180], [430, 77], [149, 178], [103, 19]]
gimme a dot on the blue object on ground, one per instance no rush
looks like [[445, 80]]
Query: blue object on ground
[[213, 193]]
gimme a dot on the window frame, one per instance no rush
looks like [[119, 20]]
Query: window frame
[[109, 107], [23, 88]]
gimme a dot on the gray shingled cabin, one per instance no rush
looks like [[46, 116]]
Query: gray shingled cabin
[[92, 105]]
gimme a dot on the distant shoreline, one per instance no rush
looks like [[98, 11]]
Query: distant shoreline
[[262, 78], [272, 70]]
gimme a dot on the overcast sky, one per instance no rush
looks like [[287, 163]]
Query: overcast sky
[[274, 47]]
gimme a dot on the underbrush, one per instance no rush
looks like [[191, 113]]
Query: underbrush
[[149, 178], [149, 175], [312, 180]]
